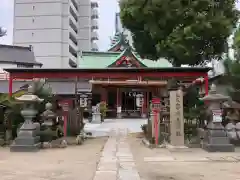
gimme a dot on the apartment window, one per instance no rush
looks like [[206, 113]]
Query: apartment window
[[32, 34], [33, 7], [33, 20]]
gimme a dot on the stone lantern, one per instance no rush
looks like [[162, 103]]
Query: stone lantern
[[49, 121], [27, 139], [216, 139], [48, 116]]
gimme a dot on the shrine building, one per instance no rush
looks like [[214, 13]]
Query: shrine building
[[120, 77]]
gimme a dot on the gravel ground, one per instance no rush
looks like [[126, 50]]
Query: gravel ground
[[71, 163], [185, 164]]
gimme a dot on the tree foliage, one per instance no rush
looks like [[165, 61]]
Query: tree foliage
[[232, 68], [183, 31], [236, 44], [13, 117]]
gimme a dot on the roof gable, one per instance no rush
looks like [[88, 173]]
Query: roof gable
[[127, 59]]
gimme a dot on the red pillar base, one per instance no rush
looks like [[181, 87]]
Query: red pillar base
[[10, 86]]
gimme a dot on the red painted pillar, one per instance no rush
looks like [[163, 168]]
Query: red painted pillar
[[104, 95], [206, 84], [120, 97], [65, 124], [10, 85], [147, 101]]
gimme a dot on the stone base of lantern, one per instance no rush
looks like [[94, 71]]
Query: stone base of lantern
[[2, 141], [119, 115], [219, 147], [216, 139], [144, 115], [96, 117], [27, 140]]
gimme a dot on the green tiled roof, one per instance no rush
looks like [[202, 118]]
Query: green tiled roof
[[97, 59], [101, 60]]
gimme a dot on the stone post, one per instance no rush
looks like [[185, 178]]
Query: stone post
[[176, 118], [119, 112], [151, 117], [27, 139], [96, 115], [216, 139]]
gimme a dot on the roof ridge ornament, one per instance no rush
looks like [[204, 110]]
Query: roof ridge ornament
[[119, 42]]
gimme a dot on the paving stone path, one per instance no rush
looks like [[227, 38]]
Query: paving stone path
[[116, 162]]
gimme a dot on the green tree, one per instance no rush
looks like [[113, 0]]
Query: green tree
[[13, 117], [232, 68], [236, 44], [183, 31]]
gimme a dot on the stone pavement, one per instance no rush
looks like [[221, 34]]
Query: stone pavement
[[116, 162]]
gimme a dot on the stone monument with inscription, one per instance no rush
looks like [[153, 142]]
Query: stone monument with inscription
[[176, 117], [216, 139]]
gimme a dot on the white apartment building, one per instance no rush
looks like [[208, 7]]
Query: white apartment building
[[57, 30]]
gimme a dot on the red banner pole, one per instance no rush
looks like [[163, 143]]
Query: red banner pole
[[10, 86], [65, 124], [156, 126]]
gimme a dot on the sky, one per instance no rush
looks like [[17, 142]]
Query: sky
[[107, 10]]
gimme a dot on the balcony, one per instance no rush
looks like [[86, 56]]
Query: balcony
[[94, 47], [94, 36], [73, 58], [73, 45], [94, 14], [94, 4], [73, 33], [73, 9], [73, 23], [75, 4], [94, 24]]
